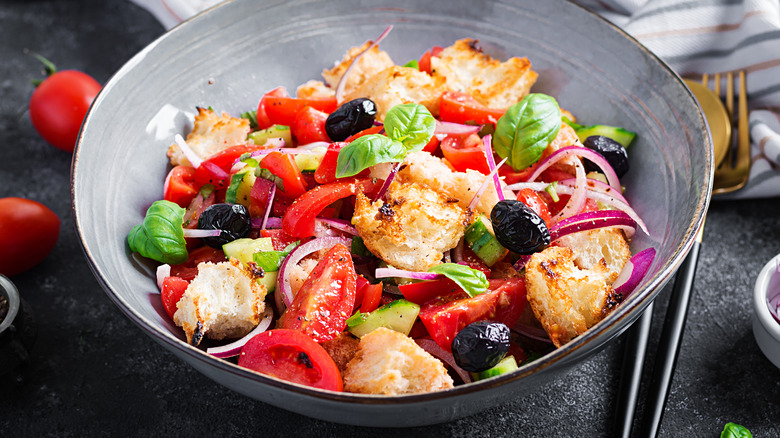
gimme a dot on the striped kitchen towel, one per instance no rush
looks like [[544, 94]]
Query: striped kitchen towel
[[693, 37]]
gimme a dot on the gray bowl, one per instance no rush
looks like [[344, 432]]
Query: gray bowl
[[228, 57]]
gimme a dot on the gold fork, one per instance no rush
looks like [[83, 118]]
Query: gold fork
[[733, 171]]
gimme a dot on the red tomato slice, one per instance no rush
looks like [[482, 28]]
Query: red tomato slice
[[535, 202], [372, 295], [215, 170], [460, 107], [463, 154], [424, 64], [367, 131], [180, 186], [298, 220], [309, 126], [283, 110], [432, 145], [503, 302], [326, 172], [263, 121], [279, 238], [189, 269], [283, 166], [425, 291], [292, 356], [325, 300], [172, 291]]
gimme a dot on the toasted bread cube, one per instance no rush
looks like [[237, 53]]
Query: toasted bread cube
[[593, 246], [223, 301], [371, 63], [314, 90], [412, 228], [491, 82], [211, 133], [342, 349], [391, 363], [565, 299]]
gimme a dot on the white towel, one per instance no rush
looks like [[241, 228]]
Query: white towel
[[693, 37]]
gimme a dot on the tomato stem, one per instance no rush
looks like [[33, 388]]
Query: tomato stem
[[48, 67]]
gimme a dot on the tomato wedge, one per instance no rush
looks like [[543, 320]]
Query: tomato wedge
[[504, 301], [535, 202], [189, 269], [283, 166], [461, 108], [263, 121], [172, 291], [325, 300], [292, 356], [465, 153], [425, 291], [180, 186], [309, 126], [298, 220], [283, 110], [326, 172], [425, 60], [367, 131]]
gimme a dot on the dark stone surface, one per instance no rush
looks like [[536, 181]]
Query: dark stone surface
[[93, 372]]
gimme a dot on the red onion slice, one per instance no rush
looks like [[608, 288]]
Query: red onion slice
[[283, 287], [483, 187], [596, 186], [381, 193], [324, 225], [592, 220], [633, 272], [234, 348], [163, 271], [577, 199], [393, 272], [581, 152], [491, 162], [268, 206], [450, 128], [521, 262], [457, 252], [343, 81], [191, 233], [535, 333], [430, 346], [215, 170], [192, 157]]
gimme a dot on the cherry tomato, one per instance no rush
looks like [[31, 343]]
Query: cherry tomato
[[298, 220], [536, 203], [309, 126], [283, 110], [292, 356], [28, 232], [263, 121], [326, 172], [465, 153], [325, 300], [180, 186], [58, 106], [461, 108], [189, 269], [283, 166], [504, 301], [172, 291]]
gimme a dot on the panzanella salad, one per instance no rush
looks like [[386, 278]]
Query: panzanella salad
[[394, 229]]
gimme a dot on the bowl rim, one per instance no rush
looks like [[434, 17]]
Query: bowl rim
[[760, 305], [568, 351]]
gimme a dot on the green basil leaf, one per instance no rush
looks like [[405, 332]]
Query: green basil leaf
[[526, 129], [732, 430], [413, 64], [411, 124], [252, 117], [473, 281], [367, 151], [160, 236]]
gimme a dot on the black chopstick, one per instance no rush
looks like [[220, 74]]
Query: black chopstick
[[669, 345], [631, 372]]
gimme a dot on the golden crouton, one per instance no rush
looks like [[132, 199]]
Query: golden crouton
[[493, 83], [391, 363], [210, 134], [342, 349], [314, 90], [412, 228], [223, 301], [371, 63], [565, 299], [593, 246], [424, 168], [397, 85]]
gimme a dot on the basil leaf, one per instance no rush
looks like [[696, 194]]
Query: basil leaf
[[160, 236], [367, 151], [526, 129], [732, 430], [413, 64], [252, 117], [472, 281], [411, 124]]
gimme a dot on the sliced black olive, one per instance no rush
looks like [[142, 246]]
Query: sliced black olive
[[232, 219], [614, 152], [480, 345], [518, 228], [350, 118]]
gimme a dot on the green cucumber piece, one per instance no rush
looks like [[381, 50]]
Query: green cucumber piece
[[507, 365], [261, 136], [243, 249], [310, 162], [483, 242], [398, 315], [620, 135], [241, 187], [269, 281]]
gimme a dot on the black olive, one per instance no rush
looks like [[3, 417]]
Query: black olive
[[519, 228], [614, 152], [350, 118], [480, 345], [232, 219]]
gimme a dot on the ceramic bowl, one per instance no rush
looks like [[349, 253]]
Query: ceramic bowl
[[766, 328], [228, 57]]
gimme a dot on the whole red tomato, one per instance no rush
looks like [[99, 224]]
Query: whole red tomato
[[28, 232], [58, 105]]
